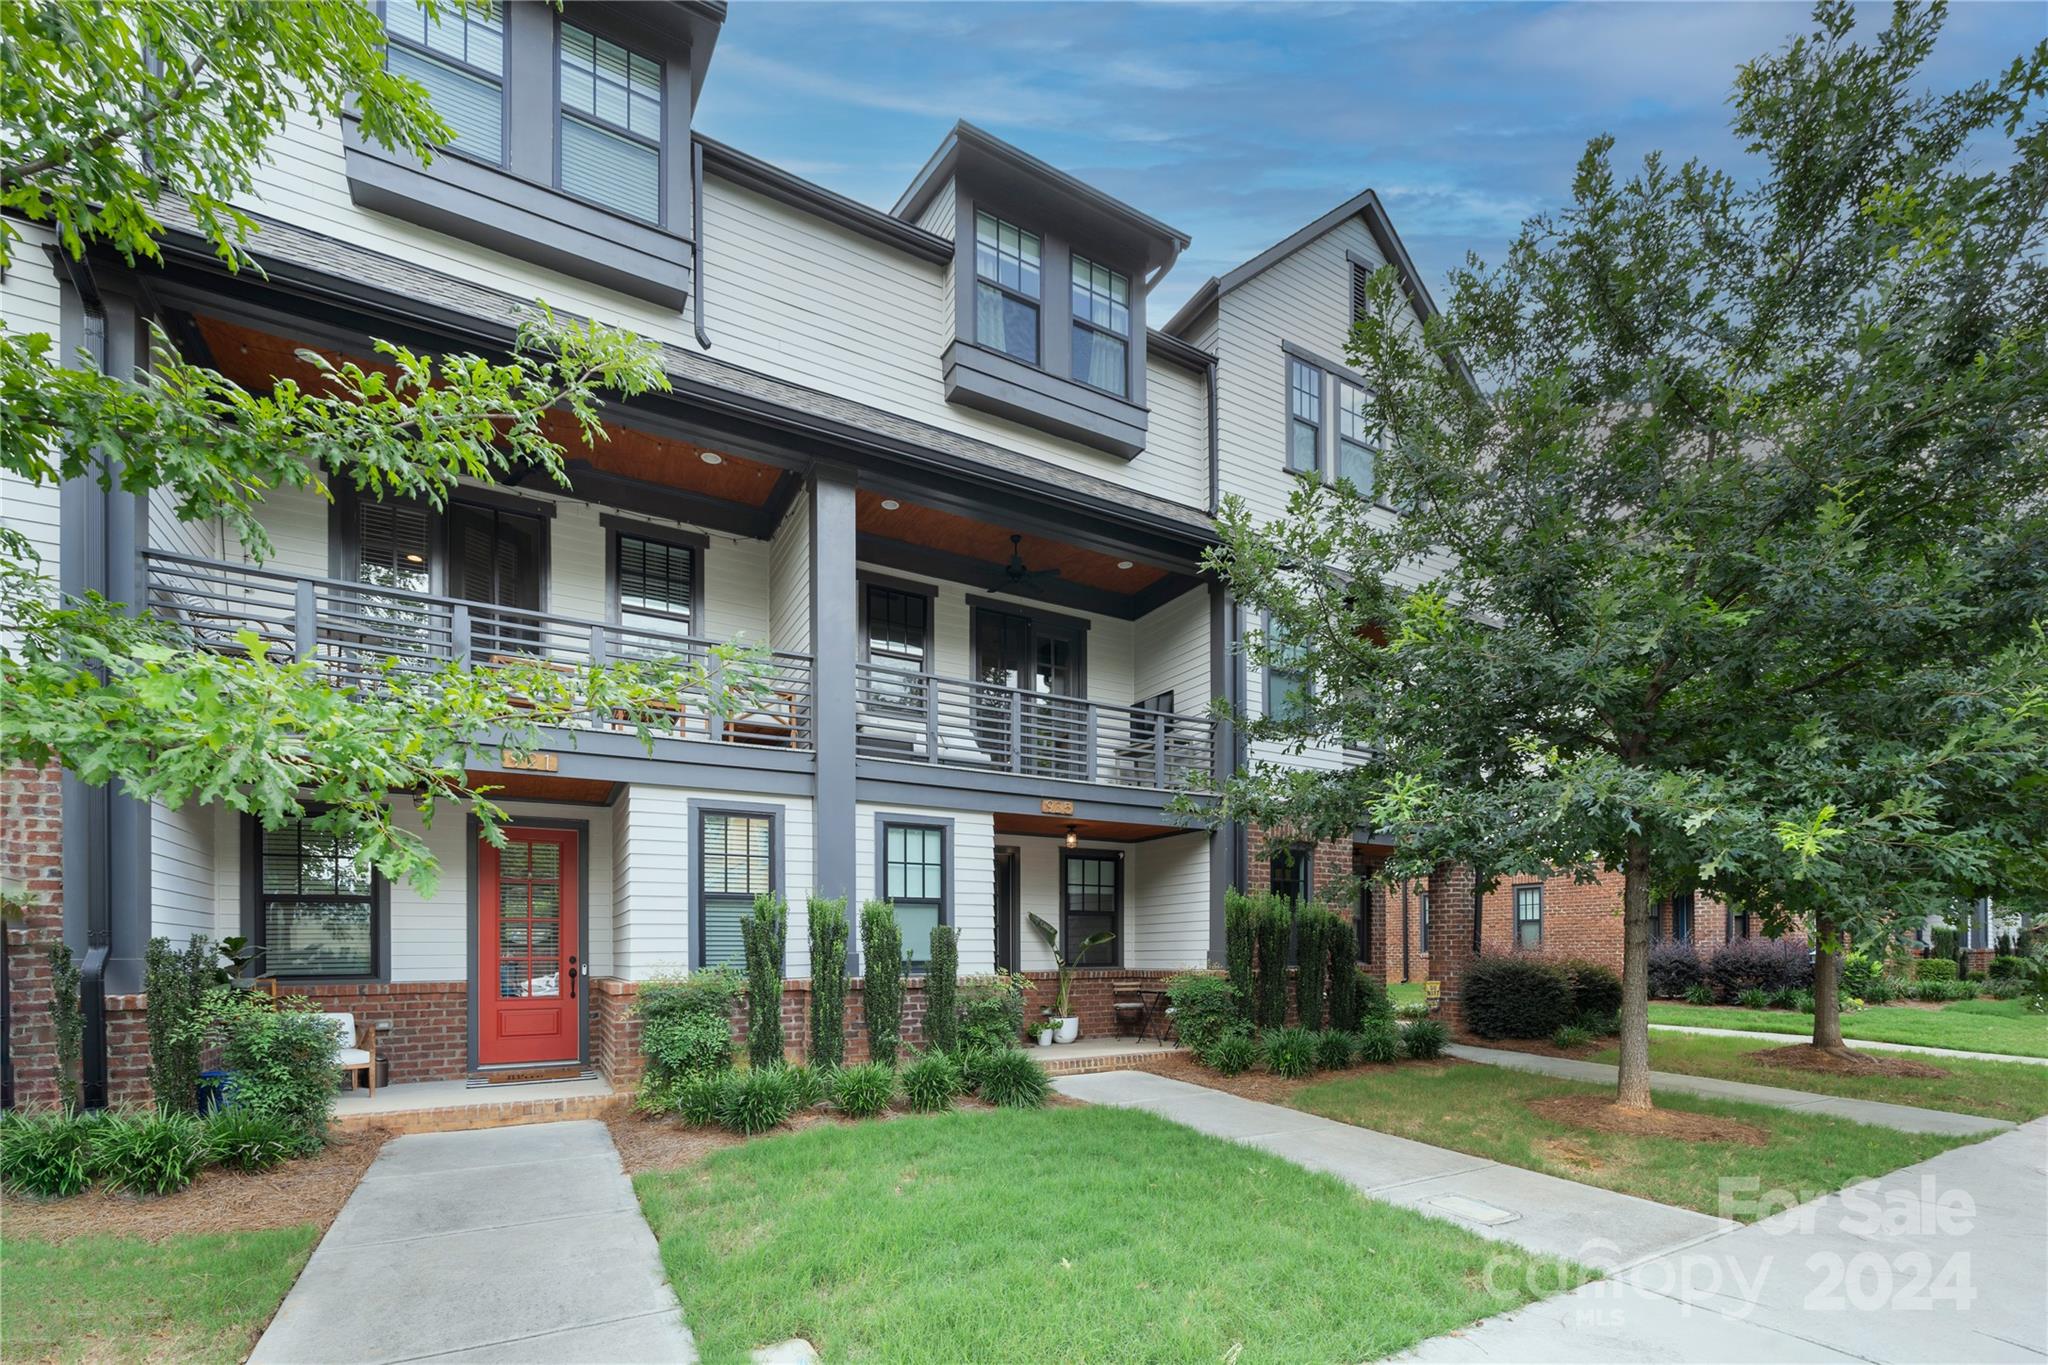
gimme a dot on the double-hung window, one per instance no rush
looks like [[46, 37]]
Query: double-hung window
[[736, 862], [1091, 902], [460, 59], [1006, 287], [914, 881], [1304, 417], [1102, 326], [1528, 917], [1355, 446], [898, 639], [1681, 918], [317, 905], [1287, 681], [610, 143], [657, 585], [1290, 873]]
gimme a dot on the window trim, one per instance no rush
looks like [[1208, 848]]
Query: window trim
[[1344, 382], [1116, 945], [886, 820], [503, 78], [254, 929], [1691, 903], [1037, 305], [1288, 361], [1515, 903], [778, 863], [616, 529], [660, 145], [1077, 320], [864, 580]]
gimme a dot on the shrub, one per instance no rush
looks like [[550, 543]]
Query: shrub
[[1412, 1009], [1291, 1052], [1333, 1049], [1205, 1008], [1509, 995], [1941, 990], [1765, 964], [2009, 965], [828, 982], [1699, 993], [991, 1012], [1674, 970], [1855, 972], [1755, 998], [2008, 988], [1232, 1054], [864, 1091], [282, 1054], [1314, 926], [931, 1082], [153, 1153], [656, 1095], [942, 991], [47, 1154], [175, 985], [1011, 1079], [1881, 990], [806, 1086], [1379, 1040], [68, 1023], [686, 1022], [1936, 969], [1373, 1002], [755, 1100], [1340, 951], [764, 935], [1599, 1025], [1595, 988], [881, 946], [1425, 1039], [1240, 945], [1786, 999], [1947, 943], [1570, 1036], [701, 1098], [1802, 1002], [246, 1141], [1273, 918]]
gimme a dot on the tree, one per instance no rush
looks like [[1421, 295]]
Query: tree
[[1724, 503], [105, 108]]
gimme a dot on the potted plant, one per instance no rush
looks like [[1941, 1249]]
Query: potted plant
[[1063, 990], [1047, 1028]]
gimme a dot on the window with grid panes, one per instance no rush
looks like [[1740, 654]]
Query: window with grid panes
[[1355, 443], [914, 881], [460, 58], [657, 584], [1102, 326], [1006, 288], [610, 144], [1091, 903], [737, 863], [1304, 417], [316, 905]]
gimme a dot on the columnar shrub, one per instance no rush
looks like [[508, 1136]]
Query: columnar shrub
[[931, 1082], [862, 1092], [764, 935], [1936, 969], [175, 985], [828, 982], [686, 1024], [1291, 1052], [1378, 1040], [1314, 926], [1206, 1009], [881, 946], [1765, 964], [1947, 943], [1340, 956], [68, 1023], [1011, 1079], [1240, 944], [1424, 1039], [942, 991], [1596, 989], [1509, 995], [1275, 923], [1674, 970]]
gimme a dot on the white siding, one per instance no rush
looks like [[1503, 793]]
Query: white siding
[[29, 304], [1171, 645], [1168, 925], [181, 863], [938, 215], [789, 581], [972, 873]]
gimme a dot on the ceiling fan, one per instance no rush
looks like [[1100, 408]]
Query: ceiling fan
[[1016, 577]]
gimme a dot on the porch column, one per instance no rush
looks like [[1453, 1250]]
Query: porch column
[[1226, 842], [1453, 926], [834, 649]]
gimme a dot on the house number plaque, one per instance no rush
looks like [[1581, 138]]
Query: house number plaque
[[532, 763], [1050, 806]]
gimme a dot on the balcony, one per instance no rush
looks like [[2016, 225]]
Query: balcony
[[987, 728], [356, 632]]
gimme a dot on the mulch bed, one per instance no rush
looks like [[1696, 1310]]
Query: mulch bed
[[1599, 1114], [1263, 1085], [1807, 1057], [311, 1190]]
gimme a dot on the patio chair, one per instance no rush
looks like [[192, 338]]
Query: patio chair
[[1128, 999], [358, 1051]]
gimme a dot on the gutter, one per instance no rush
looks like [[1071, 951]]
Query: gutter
[[697, 243]]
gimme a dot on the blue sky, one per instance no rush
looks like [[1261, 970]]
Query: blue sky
[[1237, 123]]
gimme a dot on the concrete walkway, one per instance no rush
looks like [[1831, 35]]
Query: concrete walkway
[[1788, 1039], [1943, 1261], [1905, 1118], [1528, 1208], [504, 1244]]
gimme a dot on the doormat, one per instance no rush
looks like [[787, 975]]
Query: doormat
[[531, 1076]]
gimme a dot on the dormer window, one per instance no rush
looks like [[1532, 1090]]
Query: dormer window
[[1102, 326], [460, 59], [610, 147], [1006, 269]]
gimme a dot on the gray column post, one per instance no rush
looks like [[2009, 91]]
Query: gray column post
[[1225, 864], [834, 646]]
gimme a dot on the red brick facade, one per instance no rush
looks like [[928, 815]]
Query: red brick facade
[[32, 866], [1583, 920], [428, 1037]]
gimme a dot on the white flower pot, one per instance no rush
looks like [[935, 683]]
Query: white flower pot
[[1045, 1037], [1070, 1029]]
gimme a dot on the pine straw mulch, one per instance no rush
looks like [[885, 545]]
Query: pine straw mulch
[[309, 1190], [1599, 1114], [1264, 1086], [1807, 1057]]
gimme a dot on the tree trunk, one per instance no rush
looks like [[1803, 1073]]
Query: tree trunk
[[1827, 994], [1632, 1083]]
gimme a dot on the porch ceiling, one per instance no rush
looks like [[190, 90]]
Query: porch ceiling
[[517, 786], [1102, 831], [950, 533]]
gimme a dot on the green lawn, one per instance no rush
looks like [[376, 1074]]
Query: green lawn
[[120, 1299], [1070, 1234], [1968, 1025], [1996, 1090], [1405, 992], [1482, 1110]]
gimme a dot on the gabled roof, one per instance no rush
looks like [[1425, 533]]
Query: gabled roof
[[1366, 204]]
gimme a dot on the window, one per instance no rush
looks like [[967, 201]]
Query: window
[[1287, 684], [1091, 902], [1528, 917], [657, 585], [460, 59], [914, 881], [1102, 326], [1304, 417], [1355, 446], [1290, 872], [317, 905], [1681, 918], [898, 628], [1422, 919], [735, 863], [1738, 924], [610, 144], [1365, 921], [1006, 288], [393, 545]]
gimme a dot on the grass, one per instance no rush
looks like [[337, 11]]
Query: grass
[[1060, 1234], [1995, 1090], [120, 1298], [1405, 992], [2004, 1026], [1483, 1110]]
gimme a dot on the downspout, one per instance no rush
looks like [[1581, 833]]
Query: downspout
[[697, 242], [1215, 445]]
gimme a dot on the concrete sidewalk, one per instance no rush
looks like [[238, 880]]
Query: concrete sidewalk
[[1905, 1118], [1942, 1261], [1788, 1039], [1540, 1212], [503, 1244]]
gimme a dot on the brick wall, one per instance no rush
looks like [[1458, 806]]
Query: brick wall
[[429, 1035], [128, 1052], [32, 864], [1584, 919], [1451, 908]]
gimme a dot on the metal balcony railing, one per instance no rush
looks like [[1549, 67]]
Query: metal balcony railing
[[356, 632], [983, 727]]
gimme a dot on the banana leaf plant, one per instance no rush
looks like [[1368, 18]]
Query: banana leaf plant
[[1063, 991]]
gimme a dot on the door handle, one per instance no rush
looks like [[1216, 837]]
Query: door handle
[[572, 976]]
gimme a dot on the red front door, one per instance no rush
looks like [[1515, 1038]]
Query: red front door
[[529, 1000]]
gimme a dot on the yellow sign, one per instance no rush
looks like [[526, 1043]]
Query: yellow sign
[[1050, 806], [532, 763], [1433, 992]]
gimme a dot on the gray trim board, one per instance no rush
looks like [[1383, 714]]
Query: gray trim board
[[916, 820], [885, 781], [778, 860], [1324, 363], [583, 1011], [1183, 353], [991, 382], [965, 572], [608, 757]]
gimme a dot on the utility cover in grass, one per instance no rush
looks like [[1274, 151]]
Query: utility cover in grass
[[1060, 1234]]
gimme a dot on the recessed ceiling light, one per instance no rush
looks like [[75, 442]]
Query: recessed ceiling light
[[710, 457], [890, 504], [1123, 563]]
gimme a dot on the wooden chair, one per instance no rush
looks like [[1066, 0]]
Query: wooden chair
[[1129, 1002], [358, 1050]]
